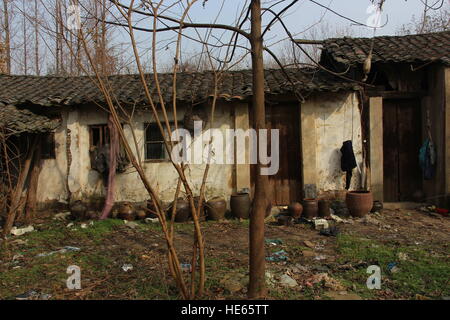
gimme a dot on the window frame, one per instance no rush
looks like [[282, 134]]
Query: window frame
[[146, 143]]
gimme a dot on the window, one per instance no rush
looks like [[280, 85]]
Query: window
[[99, 135], [48, 146], [154, 142]]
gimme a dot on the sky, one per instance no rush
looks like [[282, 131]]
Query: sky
[[299, 20]]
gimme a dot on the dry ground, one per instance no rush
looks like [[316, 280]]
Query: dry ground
[[323, 267]]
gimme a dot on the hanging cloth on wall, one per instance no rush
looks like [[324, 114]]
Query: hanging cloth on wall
[[348, 161], [427, 159]]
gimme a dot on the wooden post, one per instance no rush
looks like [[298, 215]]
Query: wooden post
[[30, 207], [15, 199]]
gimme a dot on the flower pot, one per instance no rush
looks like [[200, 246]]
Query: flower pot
[[240, 205], [182, 210], [310, 208], [216, 208], [295, 210], [359, 203], [324, 208]]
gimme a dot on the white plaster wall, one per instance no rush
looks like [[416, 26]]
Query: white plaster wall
[[52, 184], [337, 119], [84, 183]]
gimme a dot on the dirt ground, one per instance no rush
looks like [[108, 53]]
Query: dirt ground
[[411, 248]]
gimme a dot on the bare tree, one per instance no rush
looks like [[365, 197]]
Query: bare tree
[[435, 18], [7, 32]]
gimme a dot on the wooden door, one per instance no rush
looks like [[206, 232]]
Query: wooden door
[[402, 133], [285, 185]]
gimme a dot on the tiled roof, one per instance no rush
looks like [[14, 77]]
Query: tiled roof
[[421, 48], [48, 91], [15, 121]]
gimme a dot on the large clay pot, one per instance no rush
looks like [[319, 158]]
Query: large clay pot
[[324, 208], [359, 203], [126, 211], [78, 210], [310, 208], [182, 210], [141, 214], [216, 208], [295, 210], [240, 205]]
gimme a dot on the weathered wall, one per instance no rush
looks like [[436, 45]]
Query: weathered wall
[[85, 184], [435, 104], [327, 120], [335, 118]]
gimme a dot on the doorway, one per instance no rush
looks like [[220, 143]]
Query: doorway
[[402, 133], [286, 185]]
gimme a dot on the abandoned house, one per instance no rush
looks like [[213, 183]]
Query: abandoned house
[[387, 113]]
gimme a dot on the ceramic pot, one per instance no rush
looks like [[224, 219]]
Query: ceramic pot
[[216, 208], [377, 206], [182, 210], [78, 210], [140, 214], [359, 203], [324, 208], [240, 205], [92, 215], [126, 211], [295, 210], [310, 208]]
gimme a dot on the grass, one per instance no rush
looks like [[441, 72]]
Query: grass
[[424, 272]]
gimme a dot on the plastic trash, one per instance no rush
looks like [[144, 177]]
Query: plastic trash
[[274, 242], [278, 256], [127, 267], [20, 231]]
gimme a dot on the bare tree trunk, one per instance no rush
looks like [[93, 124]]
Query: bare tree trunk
[[36, 38], [57, 42], [7, 36], [257, 255], [25, 51]]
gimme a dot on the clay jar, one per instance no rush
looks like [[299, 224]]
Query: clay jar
[[377, 206], [216, 208], [126, 211], [78, 210], [359, 203], [310, 208], [240, 205], [295, 210], [324, 208], [182, 210], [141, 214]]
